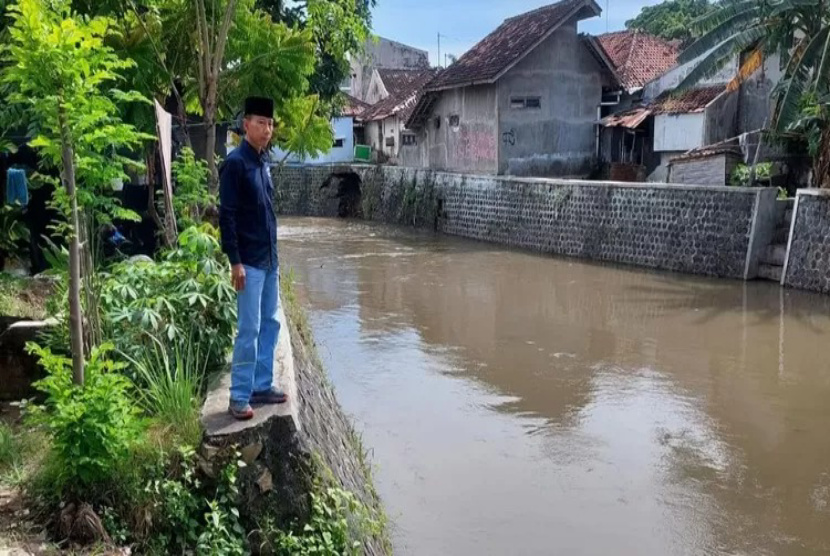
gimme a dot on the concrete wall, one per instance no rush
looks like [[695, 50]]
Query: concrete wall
[[472, 145], [343, 128], [699, 171], [710, 170], [672, 78], [559, 138], [672, 227], [383, 54], [721, 119], [376, 91], [756, 100], [808, 258], [678, 132]]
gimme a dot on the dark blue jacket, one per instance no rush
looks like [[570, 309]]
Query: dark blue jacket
[[246, 211]]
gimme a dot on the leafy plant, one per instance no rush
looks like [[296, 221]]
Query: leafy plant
[[741, 175], [671, 19], [191, 196], [13, 232], [92, 426], [171, 380], [189, 290], [189, 517], [328, 532]]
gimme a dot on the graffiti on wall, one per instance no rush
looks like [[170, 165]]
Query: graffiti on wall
[[509, 137], [475, 144]]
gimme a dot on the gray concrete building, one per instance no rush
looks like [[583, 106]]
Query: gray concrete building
[[523, 101], [381, 53]]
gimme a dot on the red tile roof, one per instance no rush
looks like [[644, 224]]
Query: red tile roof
[[403, 101], [638, 57], [509, 43]]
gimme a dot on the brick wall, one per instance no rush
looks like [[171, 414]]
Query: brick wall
[[808, 260], [680, 228]]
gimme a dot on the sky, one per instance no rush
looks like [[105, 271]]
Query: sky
[[462, 23]]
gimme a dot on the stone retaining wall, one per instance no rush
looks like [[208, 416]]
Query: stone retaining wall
[[717, 231], [808, 257]]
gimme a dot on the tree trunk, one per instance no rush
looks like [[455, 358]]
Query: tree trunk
[[210, 150], [821, 164], [76, 326]]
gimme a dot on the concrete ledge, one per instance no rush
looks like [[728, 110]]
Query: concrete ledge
[[18, 369], [215, 417]]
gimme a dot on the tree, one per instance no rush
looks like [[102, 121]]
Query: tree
[[798, 30], [340, 28], [671, 20], [58, 69]]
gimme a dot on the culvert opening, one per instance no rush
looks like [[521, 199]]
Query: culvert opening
[[346, 188]]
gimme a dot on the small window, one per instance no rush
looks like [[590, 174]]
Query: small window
[[390, 141], [521, 103], [408, 139], [339, 143], [437, 122], [455, 120]]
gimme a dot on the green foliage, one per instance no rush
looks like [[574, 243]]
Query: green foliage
[[191, 196], [337, 518], [189, 517], [10, 451], [14, 234], [339, 27], [61, 74], [742, 173], [189, 289], [17, 298], [170, 379], [671, 20], [92, 427]]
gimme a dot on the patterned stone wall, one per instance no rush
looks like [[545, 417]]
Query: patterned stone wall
[[671, 227], [808, 262]]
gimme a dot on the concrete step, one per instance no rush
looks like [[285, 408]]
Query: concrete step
[[770, 272], [781, 235], [775, 255]]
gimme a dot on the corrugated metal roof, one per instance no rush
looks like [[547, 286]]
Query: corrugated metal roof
[[630, 119]]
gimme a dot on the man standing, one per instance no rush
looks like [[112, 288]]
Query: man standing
[[249, 238]]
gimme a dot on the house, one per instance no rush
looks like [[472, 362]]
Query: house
[[346, 129], [395, 94], [668, 123], [523, 101], [381, 53], [636, 59]]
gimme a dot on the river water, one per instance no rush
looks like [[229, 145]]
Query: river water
[[521, 404]]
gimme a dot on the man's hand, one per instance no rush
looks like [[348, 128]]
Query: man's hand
[[238, 277]]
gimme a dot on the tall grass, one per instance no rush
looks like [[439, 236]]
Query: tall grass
[[9, 447], [170, 384]]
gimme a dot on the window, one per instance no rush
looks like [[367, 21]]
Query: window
[[408, 139], [390, 141], [339, 143], [521, 103], [455, 120]]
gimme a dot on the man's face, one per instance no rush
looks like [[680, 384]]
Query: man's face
[[258, 131]]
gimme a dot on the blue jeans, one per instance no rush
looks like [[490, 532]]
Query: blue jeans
[[258, 328]]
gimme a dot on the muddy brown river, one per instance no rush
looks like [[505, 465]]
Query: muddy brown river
[[522, 404]]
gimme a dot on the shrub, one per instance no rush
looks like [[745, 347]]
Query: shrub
[[171, 380], [192, 197], [189, 289], [91, 427]]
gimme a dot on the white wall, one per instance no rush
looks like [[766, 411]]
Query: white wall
[[343, 129], [678, 132]]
